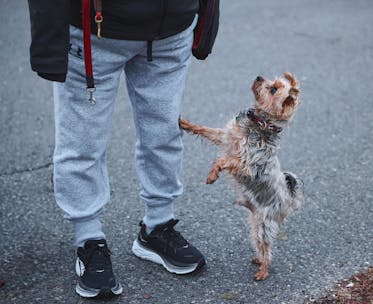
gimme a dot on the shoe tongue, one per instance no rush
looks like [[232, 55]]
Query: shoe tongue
[[167, 226], [97, 248], [94, 243], [177, 238], [171, 223]]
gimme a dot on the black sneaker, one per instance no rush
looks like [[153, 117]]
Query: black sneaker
[[167, 247], [93, 266]]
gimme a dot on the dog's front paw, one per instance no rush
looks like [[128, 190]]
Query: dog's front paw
[[185, 124], [211, 178]]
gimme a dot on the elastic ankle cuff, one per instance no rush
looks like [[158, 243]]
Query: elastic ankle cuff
[[159, 214], [87, 230]]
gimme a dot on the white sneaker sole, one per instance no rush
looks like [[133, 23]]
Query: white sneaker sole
[[147, 254], [116, 290]]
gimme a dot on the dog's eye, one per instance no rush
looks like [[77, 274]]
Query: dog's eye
[[272, 90]]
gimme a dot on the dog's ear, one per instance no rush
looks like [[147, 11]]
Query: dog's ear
[[294, 93], [293, 81], [291, 99]]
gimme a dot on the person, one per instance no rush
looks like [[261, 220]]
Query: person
[[151, 42]]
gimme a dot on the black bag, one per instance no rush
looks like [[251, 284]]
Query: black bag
[[207, 28]]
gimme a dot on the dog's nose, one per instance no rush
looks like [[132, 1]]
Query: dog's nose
[[259, 78]]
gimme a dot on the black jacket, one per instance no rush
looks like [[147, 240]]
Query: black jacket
[[123, 19]]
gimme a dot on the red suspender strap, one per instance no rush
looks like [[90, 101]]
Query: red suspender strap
[[86, 17]]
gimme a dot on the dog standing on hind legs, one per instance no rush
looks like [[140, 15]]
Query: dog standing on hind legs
[[248, 146]]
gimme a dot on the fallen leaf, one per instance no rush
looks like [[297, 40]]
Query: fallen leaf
[[230, 296], [282, 236]]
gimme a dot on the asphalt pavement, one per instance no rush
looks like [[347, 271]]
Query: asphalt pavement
[[328, 45]]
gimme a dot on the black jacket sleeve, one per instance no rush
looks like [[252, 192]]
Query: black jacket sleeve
[[49, 38]]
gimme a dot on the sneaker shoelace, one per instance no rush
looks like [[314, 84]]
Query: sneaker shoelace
[[171, 237], [98, 257]]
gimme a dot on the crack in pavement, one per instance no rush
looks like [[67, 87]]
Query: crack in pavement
[[20, 171], [331, 40]]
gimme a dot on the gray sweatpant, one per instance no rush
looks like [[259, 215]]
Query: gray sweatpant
[[155, 88]]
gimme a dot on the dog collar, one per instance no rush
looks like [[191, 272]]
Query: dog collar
[[260, 122]]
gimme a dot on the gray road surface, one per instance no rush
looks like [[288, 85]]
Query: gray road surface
[[329, 47]]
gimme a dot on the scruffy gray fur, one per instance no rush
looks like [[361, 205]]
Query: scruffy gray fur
[[248, 151]]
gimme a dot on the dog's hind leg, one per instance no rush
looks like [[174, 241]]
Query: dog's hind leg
[[212, 134], [262, 274], [255, 222], [245, 202], [265, 232]]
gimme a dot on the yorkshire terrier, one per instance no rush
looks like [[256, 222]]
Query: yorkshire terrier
[[248, 146]]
